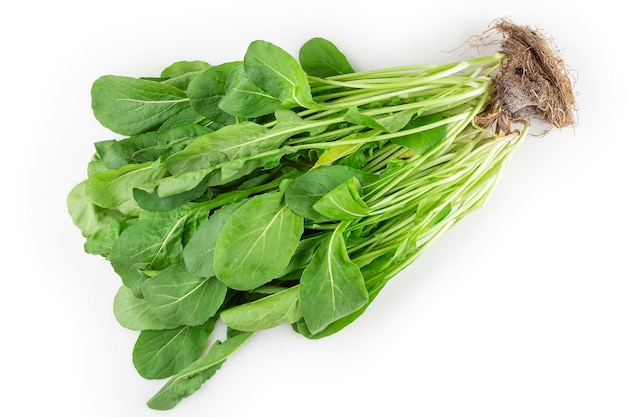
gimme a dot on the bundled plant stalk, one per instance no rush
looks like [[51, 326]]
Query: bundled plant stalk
[[274, 191]]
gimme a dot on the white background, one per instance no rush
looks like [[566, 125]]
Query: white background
[[518, 311]]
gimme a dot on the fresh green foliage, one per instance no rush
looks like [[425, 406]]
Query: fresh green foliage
[[257, 242], [162, 353], [207, 89], [189, 379], [180, 298], [244, 99], [275, 191], [321, 58], [130, 106], [332, 285], [278, 73], [281, 307]]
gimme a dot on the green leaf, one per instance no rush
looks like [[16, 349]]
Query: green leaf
[[102, 241], [181, 73], [130, 106], [257, 242], [390, 123], [308, 188], [180, 298], [184, 67], [149, 146], [244, 99], [337, 325], [162, 353], [226, 144], [228, 154], [337, 152], [288, 119], [148, 198], [154, 242], [331, 286], [87, 216], [278, 73], [200, 251], [276, 309], [302, 256], [321, 58], [427, 136], [135, 313], [397, 121], [353, 115], [186, 116], [189, 380], [343, 202], [206, 91], [113, 188]]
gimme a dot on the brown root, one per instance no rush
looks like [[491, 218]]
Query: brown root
[[533, 82]]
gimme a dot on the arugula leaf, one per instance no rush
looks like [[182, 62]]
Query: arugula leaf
[[130, 106], [257, 242], [331, 286], [321, 58], [190, 379], [162, 353]]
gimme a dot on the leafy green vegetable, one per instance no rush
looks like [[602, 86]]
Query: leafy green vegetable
[[305, 191], [207, 89], [200, 251], [113, 188], [278, 73], [272, 191], [181, 73], [190, 379], [148, 146], [135, 313], [279, 308], [162, 353], [423, 137], [343, 202], [181, 298], [322, 58], [130, 106], [154, 242], [331, 286], [244, 99], [256, 242]]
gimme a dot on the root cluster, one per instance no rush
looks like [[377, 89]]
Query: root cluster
[[534, 82]]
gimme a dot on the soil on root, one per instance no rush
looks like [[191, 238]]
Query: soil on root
[[533, 82]]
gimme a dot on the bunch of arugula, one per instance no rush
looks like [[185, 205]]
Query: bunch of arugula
[[275, 190]]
